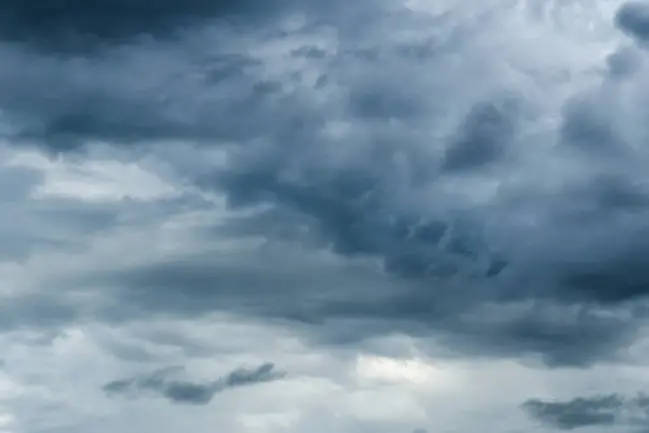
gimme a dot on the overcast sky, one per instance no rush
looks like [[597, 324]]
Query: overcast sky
[[310, 216]]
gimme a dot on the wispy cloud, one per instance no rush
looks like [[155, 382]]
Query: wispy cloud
[[162, 383]]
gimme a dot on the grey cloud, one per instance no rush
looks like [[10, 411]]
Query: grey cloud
[[75, 26], [561, 335], [206, 85], [184, 392], [384, 189], [580, 412], [59, 224], [624, 62], [633, 18], [395, 173], [588, 127], [47, 21], [57, 104], [44, 224], [484, 136], [371, 165], [344, 306], [599, 410]]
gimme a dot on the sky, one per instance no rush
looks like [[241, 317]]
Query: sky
[[383, 216]]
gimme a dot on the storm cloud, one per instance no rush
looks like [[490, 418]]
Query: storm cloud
[[458, 210], [73, 26], [404, 194]]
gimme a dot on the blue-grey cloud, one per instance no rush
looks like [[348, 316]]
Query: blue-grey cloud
[[374, 148], [185, 392], [633, 18], [598, 410], [73, 26], [580, 412]]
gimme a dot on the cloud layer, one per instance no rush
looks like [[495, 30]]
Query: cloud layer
[[396, 194]]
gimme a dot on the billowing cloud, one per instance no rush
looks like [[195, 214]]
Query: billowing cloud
[[464, 186], [460, 183]]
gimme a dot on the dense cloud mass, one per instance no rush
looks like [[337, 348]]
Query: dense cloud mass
[[73, 25], [420, 209]]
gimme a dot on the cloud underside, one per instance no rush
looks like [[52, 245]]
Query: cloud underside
[[464, 192], [76, 26]]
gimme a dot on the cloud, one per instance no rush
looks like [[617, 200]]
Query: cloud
[[580, 412], [408, 205], [484, 136], [184, 392], [73, 26], [602, 410], [633, 18], [499, 207]]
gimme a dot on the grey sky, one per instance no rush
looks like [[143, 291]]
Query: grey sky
[[385, 216]]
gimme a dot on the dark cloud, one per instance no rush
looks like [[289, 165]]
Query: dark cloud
[[55, 103], [77, 26], [580, 412], [484, 136], [345, 305], [586, 126], [384, 171], [179, 391], [80, 26], [206, 85], [384, 190], [398, 156], [43, 21], [601, 410], [633, 19], [560, 335], [624, 62]]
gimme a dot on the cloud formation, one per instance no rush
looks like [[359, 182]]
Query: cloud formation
[[580, 412], [602, 410], [459, 183], [315, 137], [179, 391], [633, 18], [73, 26]]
